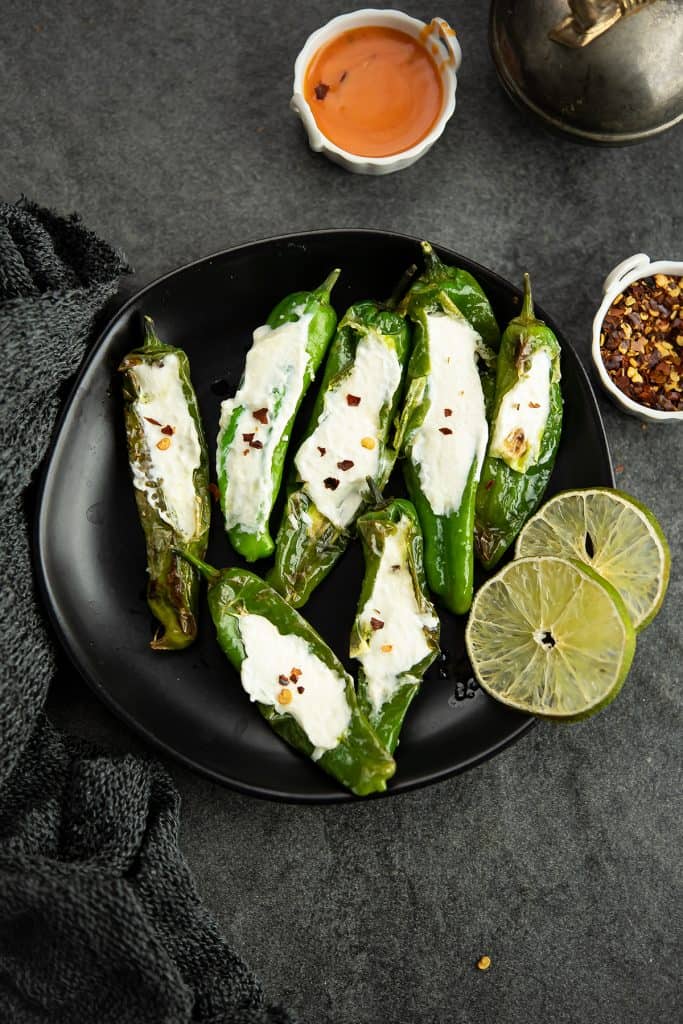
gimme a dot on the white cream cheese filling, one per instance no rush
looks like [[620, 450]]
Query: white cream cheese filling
[[315, 696], [523, 414], [172, 443], [397, 639], [454, 432], [344, 449], [274, 373]]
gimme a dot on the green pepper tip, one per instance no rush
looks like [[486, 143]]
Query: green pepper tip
[[432, 261], [204, 568], [527, 312], [377, 501], [329, 282], [152, 340], [400, 292]]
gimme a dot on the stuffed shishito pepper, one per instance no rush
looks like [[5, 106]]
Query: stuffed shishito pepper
[[255, 425], [169, 462], [345, 446], [443, 431], [525, 432], [396, 632], [299, 685]]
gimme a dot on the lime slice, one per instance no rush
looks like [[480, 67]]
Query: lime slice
[[550, 637], [613, 533]]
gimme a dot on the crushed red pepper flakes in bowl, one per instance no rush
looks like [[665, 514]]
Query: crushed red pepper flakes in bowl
[[641, 342]]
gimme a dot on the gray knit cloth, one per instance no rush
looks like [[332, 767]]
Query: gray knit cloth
[[99, 917]]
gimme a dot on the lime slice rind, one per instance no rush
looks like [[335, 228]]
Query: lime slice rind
[[578, 652], [614, 534]]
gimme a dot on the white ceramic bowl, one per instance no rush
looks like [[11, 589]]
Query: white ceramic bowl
[[438, 37], [632, 269]]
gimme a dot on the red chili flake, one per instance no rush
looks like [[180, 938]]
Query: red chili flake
[[321, 90], [256, 444], [168, 429], [345, 464], [245, 452], [299, 689], [214, 492], [448, 412], [331, 483], [322, 451], [445, 430], [489, 485], [153, 422], [248, 438], [352, 400], [294, 674], [376, 623], [283, 680], [261, 415], [534, 405]]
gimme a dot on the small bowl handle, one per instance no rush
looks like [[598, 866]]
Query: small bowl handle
[[440, 31], [638, 260]]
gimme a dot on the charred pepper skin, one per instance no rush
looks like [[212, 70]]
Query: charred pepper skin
[[173, 585], [374, 528], [505, 497], [449, 539], [359, 761], [253, 546], [308, 544]]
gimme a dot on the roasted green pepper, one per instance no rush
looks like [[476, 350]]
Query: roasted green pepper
[[443, 431], [525, 432], [345, 445], [255, 425], [462, 289], [300, 687], [396, 632], [169, 462]]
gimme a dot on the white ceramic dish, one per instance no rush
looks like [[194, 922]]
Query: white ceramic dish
[[440, 40], [625, 273]]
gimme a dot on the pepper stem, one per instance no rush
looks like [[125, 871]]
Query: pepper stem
[[152, 340], [206, 570], [402, 287], [527, 312], [377, 500], [432, 261], [328, 284]]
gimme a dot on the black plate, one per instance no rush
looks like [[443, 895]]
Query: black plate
[[90, 548]]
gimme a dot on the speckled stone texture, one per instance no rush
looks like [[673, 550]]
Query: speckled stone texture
[[166, 125]]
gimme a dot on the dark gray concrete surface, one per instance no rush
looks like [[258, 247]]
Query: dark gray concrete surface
[[166, 125]]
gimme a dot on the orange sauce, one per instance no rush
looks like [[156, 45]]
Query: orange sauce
[[374, 91]]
